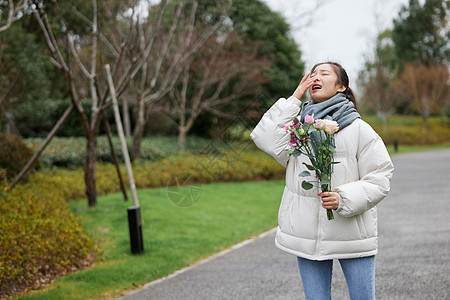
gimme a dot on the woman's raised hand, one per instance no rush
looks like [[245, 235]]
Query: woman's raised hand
[[304, 85]]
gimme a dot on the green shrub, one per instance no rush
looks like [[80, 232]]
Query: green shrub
[[40, 239], [14, 154]]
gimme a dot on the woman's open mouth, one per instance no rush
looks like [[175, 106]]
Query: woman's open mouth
[[316, 87]]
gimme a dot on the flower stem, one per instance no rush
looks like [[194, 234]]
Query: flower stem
[[327, 188], [330, 215]]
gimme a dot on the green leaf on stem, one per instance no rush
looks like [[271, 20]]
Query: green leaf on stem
[[304, 173], [311, 168], [306, 185], [296, 153], [325, 181]]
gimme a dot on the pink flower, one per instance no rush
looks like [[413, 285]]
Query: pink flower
[[330, 126], [309, 119], [293, 142], [292, 133], [296, 125], [318, 124], [286, 127]]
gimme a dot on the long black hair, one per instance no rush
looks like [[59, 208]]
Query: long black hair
[[342, 79]]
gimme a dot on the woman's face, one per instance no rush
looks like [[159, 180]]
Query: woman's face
[[325, 83]]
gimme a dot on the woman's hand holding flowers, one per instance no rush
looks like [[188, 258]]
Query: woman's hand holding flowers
[[330, 200]]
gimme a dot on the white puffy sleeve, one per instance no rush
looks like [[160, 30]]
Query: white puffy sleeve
[[375, 172], [270, 135]]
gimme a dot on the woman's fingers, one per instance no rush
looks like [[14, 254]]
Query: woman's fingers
[[303, 86], [304, 78], [330, 200]]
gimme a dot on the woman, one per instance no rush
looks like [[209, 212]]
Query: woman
[[359, 182]]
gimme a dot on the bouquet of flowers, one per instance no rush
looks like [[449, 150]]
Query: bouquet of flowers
[[316, 141]]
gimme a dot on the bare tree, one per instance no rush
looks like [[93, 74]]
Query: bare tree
[[177, 44], [377, 80], [379, 93], [225, 69], [426, 87], [66, 57]]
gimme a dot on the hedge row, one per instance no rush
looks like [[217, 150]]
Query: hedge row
[[414, 135], [41, 239], [71, 152], [408, 130]]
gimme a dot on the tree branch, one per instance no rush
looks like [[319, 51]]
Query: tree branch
[[11, 13]]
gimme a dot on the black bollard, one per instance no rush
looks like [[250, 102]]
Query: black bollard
[[135, 225], [396, 146]]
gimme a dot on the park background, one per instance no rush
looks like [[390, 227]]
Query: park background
[[192, 79]]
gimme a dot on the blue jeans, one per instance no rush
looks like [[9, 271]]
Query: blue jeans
[[359, 274]]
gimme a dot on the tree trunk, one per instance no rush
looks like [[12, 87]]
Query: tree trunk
[[383, 116], [137, 137], [138, 130], [11, 127], [89, 168], [182, 138], [426, 111], [126, 116]]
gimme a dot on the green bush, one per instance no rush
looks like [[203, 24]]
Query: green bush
[[14, 154], [40, 239]]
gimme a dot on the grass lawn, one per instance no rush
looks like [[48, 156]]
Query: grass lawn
[[174, 237]]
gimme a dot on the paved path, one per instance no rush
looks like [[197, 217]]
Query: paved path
[[413, 260]]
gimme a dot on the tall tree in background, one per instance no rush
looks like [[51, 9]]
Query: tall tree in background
[[103, 47], [226, 69], [185, 31], [378, 77], [270, 33], [421, 32], [422, 44], [22, 72], [427, 87]]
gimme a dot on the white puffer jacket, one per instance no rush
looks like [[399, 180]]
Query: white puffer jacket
[[362, 179]]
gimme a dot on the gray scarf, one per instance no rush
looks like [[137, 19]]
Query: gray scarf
[[338, 108]]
